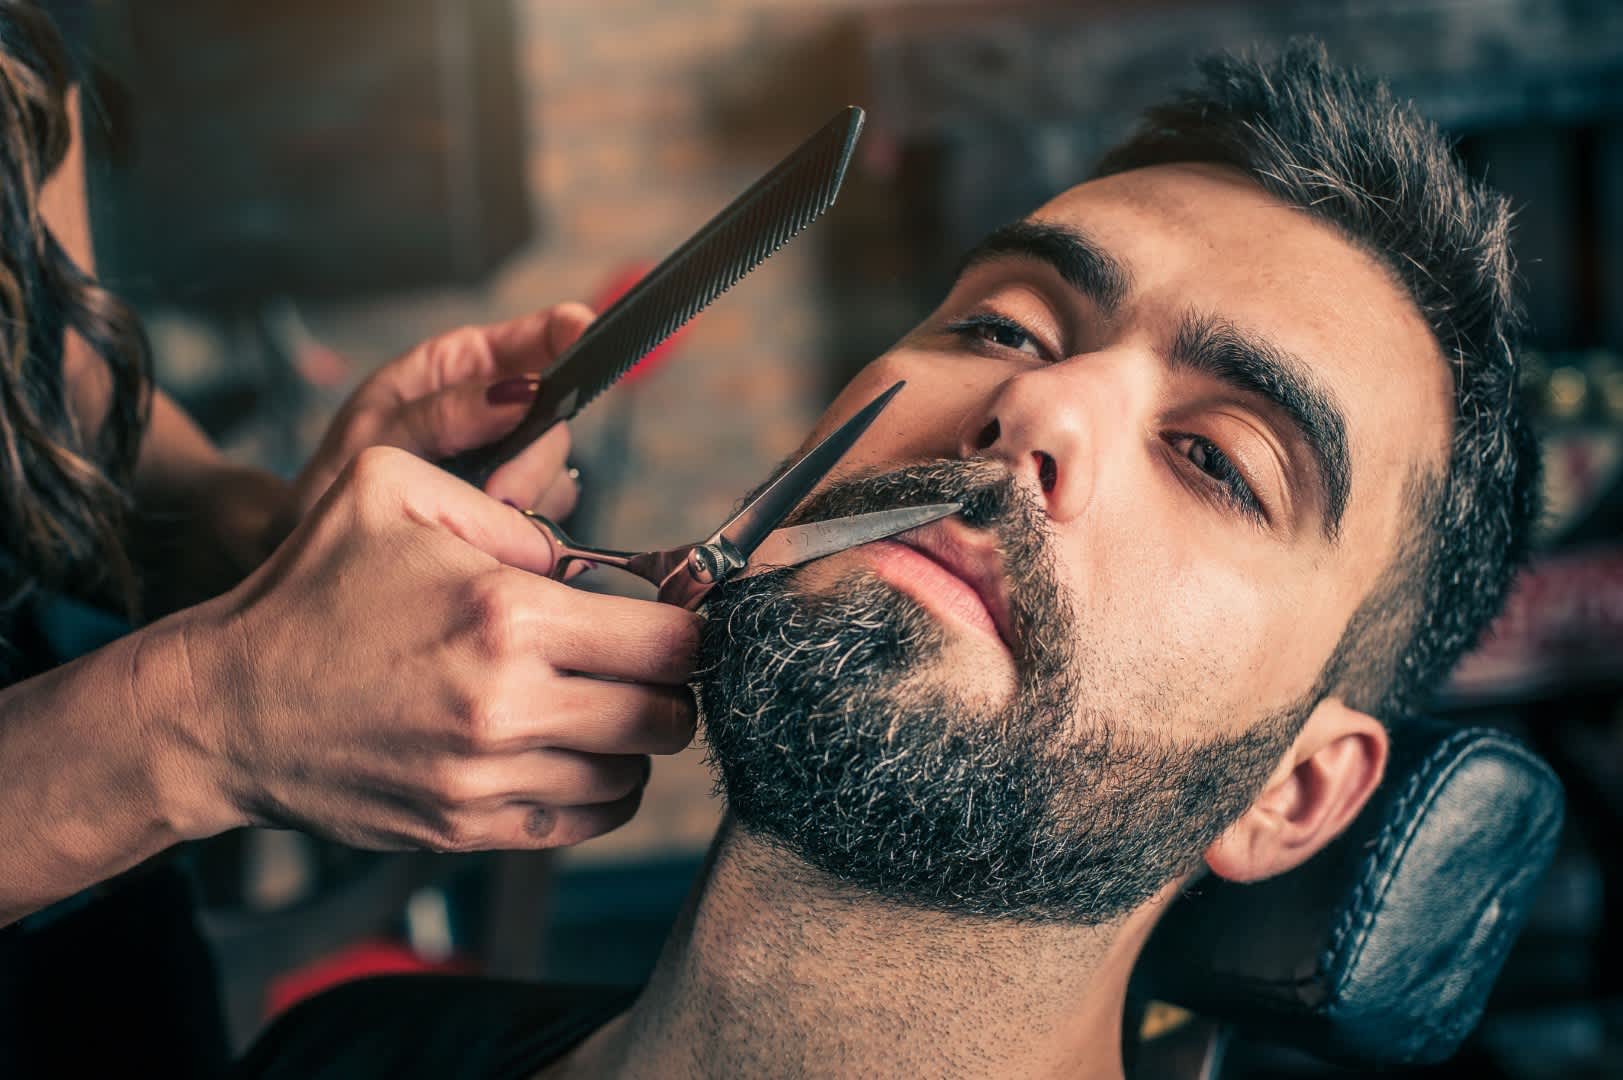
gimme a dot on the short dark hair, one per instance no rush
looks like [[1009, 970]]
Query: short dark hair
[[1340, 148]]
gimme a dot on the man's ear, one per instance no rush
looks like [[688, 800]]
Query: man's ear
[[1323, 781]]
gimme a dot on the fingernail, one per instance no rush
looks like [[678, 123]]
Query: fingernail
[[514, 391]]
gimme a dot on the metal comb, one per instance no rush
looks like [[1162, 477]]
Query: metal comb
[[734, 242]]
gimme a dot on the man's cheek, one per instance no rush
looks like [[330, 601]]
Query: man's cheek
[[1196, 636]]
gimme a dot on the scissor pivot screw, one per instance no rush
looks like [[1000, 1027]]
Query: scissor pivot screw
[[711, 564]]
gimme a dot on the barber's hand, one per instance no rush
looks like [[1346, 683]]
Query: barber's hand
[[398, 675], [456, 392]]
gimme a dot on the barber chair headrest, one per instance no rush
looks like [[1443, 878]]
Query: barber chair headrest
[[1381, 949]]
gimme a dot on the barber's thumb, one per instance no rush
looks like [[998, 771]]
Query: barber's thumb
[[464, 416]]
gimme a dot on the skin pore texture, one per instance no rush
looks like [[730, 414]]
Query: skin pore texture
[[1200, 579]]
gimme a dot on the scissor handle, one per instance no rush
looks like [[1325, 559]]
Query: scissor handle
[[566, 551]]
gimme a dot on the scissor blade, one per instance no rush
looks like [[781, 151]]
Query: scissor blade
[[803, 543], [746, 529]]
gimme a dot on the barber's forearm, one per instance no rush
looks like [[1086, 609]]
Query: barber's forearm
[[103, 768]]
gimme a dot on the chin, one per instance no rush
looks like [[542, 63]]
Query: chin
[[975, 669]]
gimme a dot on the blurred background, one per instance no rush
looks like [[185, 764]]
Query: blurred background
[[295, 193]]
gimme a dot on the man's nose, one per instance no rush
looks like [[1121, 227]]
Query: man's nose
[[1044, 426]]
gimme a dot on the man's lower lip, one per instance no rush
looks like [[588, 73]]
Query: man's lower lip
[[930, 583]]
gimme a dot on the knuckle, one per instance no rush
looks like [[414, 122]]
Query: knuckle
[[466, 350], [459, 832], [493, 616], [548, 618], [374, 466], [479, 722], [474, 340], [372, 477], [452, 787]]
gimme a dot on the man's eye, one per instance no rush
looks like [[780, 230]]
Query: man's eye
[[997, 330], [1206, 456]]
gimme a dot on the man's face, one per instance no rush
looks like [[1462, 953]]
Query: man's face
[[1184, 416]]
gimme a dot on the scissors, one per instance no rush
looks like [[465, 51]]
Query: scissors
[[686, 574]]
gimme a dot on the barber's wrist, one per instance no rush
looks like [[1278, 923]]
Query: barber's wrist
[[177, 675]]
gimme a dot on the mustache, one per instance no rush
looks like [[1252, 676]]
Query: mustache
[[993, 500]]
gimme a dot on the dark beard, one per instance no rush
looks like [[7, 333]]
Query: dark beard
[[836, 734]]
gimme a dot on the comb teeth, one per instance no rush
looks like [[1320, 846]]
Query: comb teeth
[[734, 242], [730, 245]]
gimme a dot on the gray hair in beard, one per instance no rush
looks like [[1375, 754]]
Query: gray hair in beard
[[836, 736]]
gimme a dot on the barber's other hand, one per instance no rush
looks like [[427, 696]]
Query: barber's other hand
[[455, 392], [398, 675]]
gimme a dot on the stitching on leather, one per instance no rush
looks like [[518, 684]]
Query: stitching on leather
[[1362, 909], [1371, 868], [1371, 876], [1533, 865]]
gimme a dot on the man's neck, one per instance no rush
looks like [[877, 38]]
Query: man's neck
[[776, 970]]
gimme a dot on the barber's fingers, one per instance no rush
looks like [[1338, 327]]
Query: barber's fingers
[[404, 489], [515, 824], [459, 417], [532, 342], [520, 825], [531, 474], [551, 777], [599, 716], [478, 354], [614, 636], [559, 500], [529, 344]]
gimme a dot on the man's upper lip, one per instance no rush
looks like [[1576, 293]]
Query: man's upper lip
[[973, 557]]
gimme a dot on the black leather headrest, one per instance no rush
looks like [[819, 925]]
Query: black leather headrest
[[1381, 949]]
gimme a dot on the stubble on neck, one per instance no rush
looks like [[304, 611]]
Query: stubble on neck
[[775, 968]]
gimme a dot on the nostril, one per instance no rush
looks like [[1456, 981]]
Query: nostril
[[987, 436], [1047, 471]]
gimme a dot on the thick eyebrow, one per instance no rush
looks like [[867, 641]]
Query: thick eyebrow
[[1252, 365], [1085, 266]]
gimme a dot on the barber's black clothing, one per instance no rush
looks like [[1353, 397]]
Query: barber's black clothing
[[117, 980], [429, 1027], [121, 985]]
